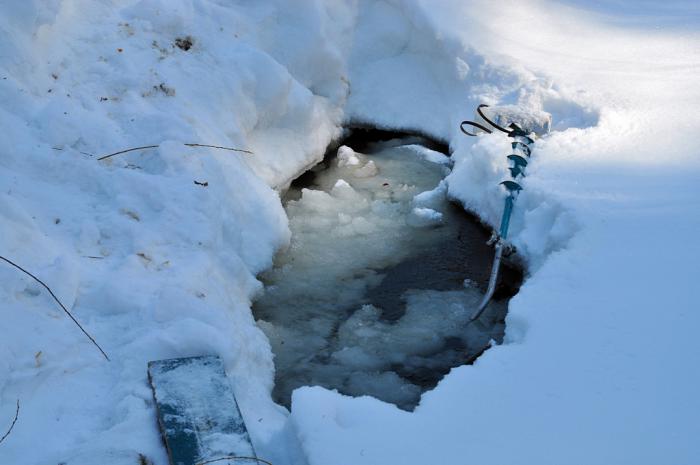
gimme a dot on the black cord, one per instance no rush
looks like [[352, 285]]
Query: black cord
[[13, 423], [57, 301], [235, 457], [481, 113], [514, 130]]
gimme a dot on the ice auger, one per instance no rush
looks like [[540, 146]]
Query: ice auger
[[521, 146]]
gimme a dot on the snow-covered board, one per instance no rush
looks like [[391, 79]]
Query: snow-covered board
[[197, 411]]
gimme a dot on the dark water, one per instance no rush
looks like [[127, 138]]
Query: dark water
[[368, 299]]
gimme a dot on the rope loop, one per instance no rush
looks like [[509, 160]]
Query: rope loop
[[476, 125], [492, 123], [513, 130]]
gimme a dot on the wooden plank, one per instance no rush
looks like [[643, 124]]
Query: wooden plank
[[197, 411]]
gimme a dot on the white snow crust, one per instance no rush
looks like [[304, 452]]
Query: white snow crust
[[599, 364]]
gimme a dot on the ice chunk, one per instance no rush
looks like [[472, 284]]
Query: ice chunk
[[424, 217], [342, 190], [431, 199], [433, 156], [367, 171], [347, 156], [362, 226]]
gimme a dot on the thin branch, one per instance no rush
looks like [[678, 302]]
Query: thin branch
[[219, 147], [57, 301], [234, 457], [13, 423], [104, 157], [84, 153]]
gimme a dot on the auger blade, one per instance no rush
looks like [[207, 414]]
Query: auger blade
[[521, 146], [512, 186], [517, 160], [516, 171]]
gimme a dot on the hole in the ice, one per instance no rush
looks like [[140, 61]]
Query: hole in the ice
[[374, 294]]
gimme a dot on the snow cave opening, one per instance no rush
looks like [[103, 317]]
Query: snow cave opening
[[374, 293]]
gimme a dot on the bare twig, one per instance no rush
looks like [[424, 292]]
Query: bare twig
[[57, 301], [13, 423], [84, 153], [219, 147], [104, 157], [233, 457]]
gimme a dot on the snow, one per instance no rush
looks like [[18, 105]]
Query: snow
[[421, 217], [430, 155], [346, 156], [176, 262], [598, 365], [527, 119], [597, 362]]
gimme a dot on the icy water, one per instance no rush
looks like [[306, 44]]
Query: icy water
[[374, 293]]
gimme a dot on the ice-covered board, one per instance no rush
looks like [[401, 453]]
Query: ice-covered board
[[197, 412]]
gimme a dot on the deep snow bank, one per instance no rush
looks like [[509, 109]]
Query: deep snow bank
[[154, 265]]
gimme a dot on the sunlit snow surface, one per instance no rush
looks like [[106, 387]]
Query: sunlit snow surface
[[359, 301]]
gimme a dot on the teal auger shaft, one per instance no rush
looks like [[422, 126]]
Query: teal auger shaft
[[505, 219], [522, 150]]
